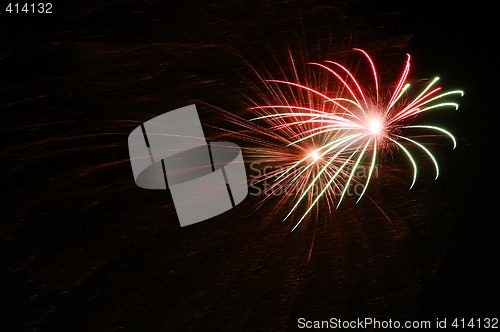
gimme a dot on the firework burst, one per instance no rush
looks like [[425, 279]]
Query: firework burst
[[324, 139]]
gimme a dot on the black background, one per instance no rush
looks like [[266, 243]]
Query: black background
[[82, 248]]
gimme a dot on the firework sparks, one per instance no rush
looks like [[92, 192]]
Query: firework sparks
[[325, 138]]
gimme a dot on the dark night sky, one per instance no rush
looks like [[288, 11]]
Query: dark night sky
[[82, 248]]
